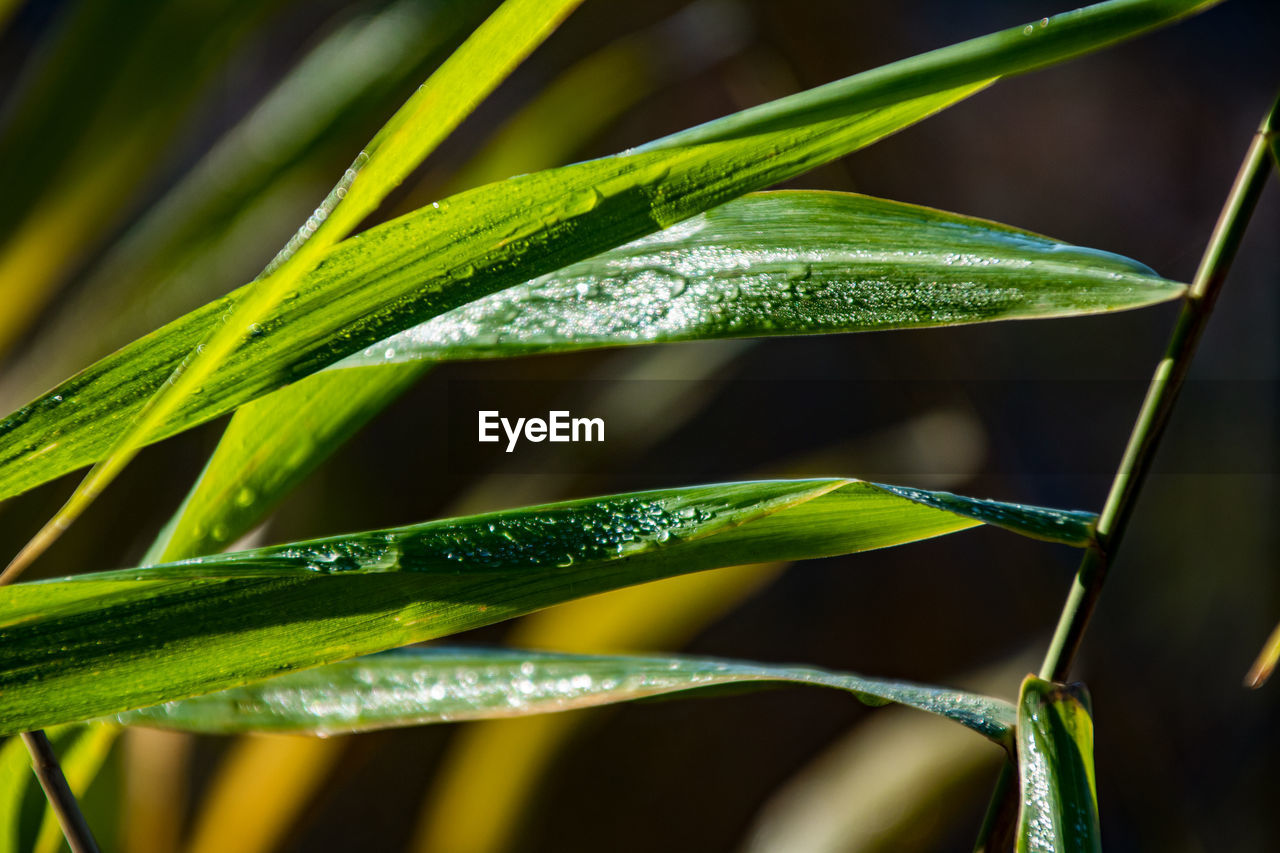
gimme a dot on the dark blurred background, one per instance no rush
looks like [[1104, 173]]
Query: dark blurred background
[[1131, 150]]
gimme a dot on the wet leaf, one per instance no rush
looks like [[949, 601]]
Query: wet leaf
[[1059, 811], [411, 269], [101, 643], [787, 263], [767, 264], [441, 103], [434, 685]]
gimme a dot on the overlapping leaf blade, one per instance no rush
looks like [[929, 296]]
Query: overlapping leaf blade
[[1055, 765], [430, 685], [399, 274], [766, 264], [787, 263], [97, 644], [497, 236], [421, 123]]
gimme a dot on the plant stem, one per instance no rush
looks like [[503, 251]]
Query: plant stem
[[1161, 396], [1145, 437], [58, 792]]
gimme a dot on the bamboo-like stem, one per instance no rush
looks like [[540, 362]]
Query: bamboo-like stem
[[58, 792], [1145, 436], [1161, 396]]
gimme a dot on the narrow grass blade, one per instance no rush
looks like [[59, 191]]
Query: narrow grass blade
[[787, 263], [766, 264], [430, 114], [1055, 764], [102, 643], [271, 443], [487, 781], [425, 264], [26, 822], [484, 240], [435, 685], [894, 782]]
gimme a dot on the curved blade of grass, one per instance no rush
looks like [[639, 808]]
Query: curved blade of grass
[[485, 788], [497, 236], [435, 685], [281, 795], [1055, 764], [26, 822], [895, 782], [787, 263], [102, 643], [430, 114], [337, 309], [766, 264], [271, 443]]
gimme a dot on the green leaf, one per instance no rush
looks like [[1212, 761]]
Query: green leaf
[[274, 442], [26, 822], [787, 263], [433, 685], [766, 264], [411, 269], [425, 119], [97, 644], [1055, 765]]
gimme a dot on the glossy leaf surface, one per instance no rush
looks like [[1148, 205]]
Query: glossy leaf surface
[[481, 241], [1059, 809], [787, 263], [102, 643], [432, 685], [425, 119], [767, 264]]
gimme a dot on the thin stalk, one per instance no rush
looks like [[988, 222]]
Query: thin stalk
[[1161, 396], [58, 792], [1147, 430]]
